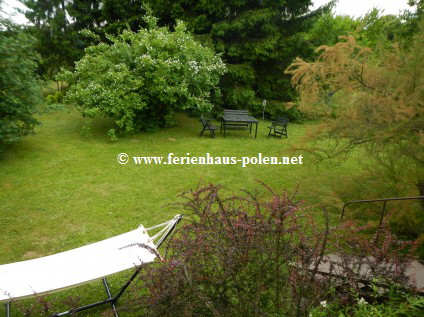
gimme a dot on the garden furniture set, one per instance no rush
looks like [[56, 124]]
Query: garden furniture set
[[242, 120]]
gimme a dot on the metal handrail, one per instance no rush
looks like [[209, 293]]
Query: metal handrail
[[385, 200], [384, 205]]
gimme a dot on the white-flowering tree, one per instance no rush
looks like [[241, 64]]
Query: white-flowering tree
[[140, 79]]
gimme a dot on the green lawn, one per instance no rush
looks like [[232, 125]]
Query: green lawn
[[60, 190]]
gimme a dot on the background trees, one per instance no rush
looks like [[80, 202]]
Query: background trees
[[327, 28], [19, 89], [57, 42], [258, 39]]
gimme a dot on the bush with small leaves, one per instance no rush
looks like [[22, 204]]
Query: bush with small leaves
[[140, 79], [394, 303], [250, 256]]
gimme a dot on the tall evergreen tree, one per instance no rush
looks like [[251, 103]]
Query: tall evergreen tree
[[85, 14], [258, 40], [54, 32], [118, 15], [56, 25]]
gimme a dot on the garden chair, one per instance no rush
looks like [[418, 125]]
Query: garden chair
[[279, 127], [82, 265], [207, 125]]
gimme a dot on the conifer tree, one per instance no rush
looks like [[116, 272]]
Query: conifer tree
[[258, 39], [57, 41], [378, 104], [86, 14]]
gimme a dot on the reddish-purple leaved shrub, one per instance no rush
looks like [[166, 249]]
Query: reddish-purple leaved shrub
[[246, 256]]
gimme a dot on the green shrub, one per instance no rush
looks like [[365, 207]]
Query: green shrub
[[395, 303], [254, 254], [140, 79], [277, 108], [56, 98]]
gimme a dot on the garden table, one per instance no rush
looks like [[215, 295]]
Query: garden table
[[234, 120]]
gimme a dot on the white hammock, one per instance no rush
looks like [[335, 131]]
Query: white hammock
[[78, 266]]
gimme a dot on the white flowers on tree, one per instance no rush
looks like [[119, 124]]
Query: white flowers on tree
[[142, 78]]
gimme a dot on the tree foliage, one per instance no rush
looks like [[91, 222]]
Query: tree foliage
[[384, 96], [141, 78], [412, 19], [257, 39], [57, 41], [378, 105], [86, 14], [57, 25], [118, 15], [19, 89], [374, 30], [380, 30], [328, 27]]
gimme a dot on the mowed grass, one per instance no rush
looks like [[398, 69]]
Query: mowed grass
[[60, 190]]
